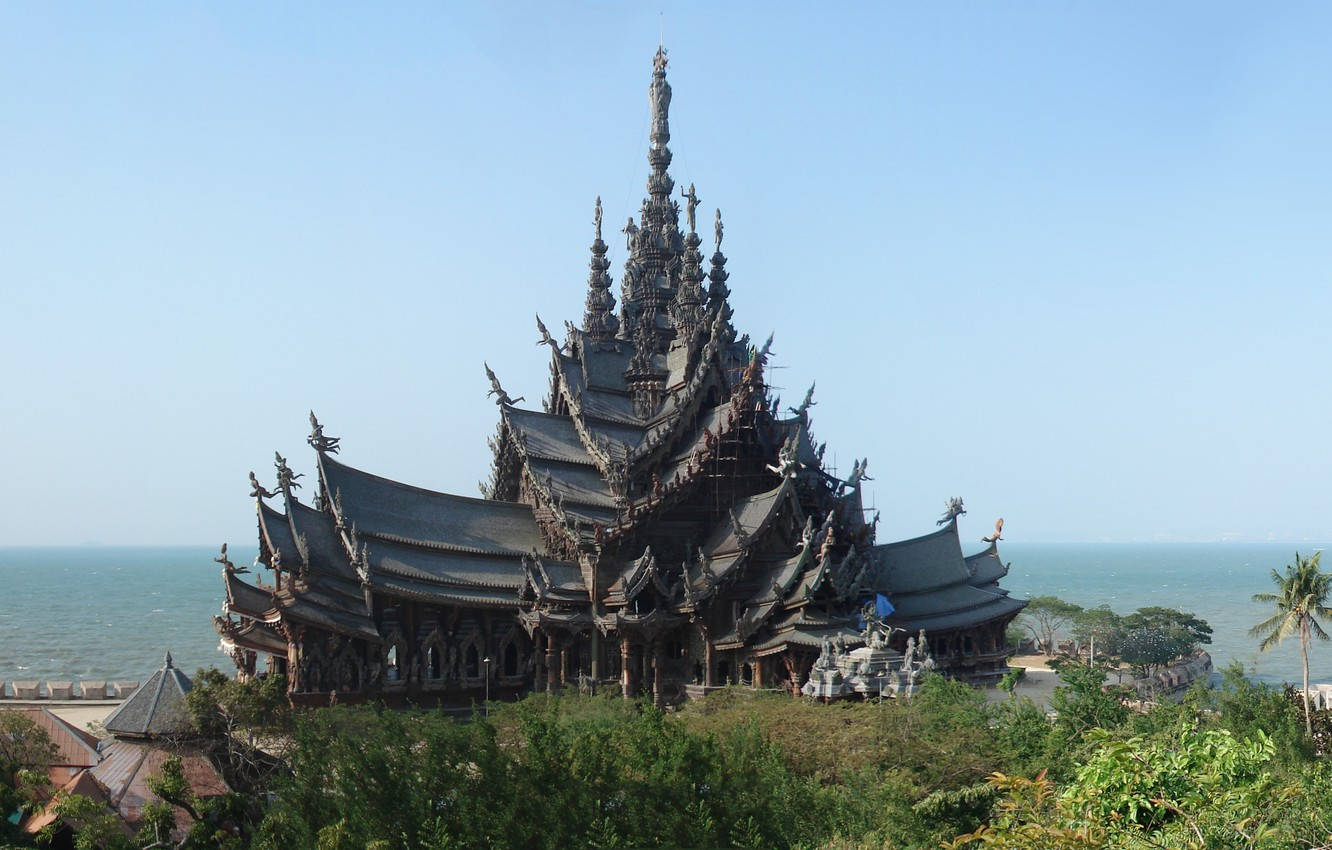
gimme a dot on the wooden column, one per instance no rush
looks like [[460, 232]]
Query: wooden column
[[596, 655], [708, 677], [656, 674], [552, 672], [626, 668], [536, 659], [564, 665]]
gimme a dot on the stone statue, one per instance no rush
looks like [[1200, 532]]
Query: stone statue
[[825, 659], [717, 230], [659, 61], [630, 230], [909, 657], [256, 489], [286, 478], [952, 510], [318, 441], [788, 462], [501, 397], [596, 218], [691, 204]]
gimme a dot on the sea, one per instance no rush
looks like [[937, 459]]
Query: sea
[[110, 613]]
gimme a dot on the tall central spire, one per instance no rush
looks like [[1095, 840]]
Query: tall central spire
[[660, 184], [655, 244]]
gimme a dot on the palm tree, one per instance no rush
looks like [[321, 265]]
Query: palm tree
[[1301, 597]]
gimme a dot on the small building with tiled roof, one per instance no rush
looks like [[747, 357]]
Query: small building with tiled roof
[[156, 710], [660, 523]]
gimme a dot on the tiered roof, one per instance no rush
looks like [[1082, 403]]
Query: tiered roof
[[658, 465]]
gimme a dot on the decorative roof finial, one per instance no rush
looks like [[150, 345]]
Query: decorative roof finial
[[806, 404], [717, 291], [546, 338], [318, 441], [599, 319], [286, 478], [166, 662], [501, 397], [953, 510], [257, 490]]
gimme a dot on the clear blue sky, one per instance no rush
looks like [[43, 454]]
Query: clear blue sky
[[1069, 261]]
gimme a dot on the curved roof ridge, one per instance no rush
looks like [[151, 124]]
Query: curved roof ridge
[[442, 545], [992, 549], [949, 528], [324, 458]]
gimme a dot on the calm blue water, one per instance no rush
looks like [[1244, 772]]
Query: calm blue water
[[1215, 581], [110, 613]]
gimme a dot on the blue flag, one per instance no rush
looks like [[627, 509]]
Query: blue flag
[[882, 606]]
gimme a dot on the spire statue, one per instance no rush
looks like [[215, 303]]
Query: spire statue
[[691, 204], [599, 319]]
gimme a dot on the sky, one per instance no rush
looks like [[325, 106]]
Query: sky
[[1068, 261]]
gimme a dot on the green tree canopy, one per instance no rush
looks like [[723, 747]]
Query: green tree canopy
[[1153, 637], [1045, 616]]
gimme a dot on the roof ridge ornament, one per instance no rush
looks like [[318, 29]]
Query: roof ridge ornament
[[546, 338], [501, 397], [717, 291], [286, 478], [806, 404], [599, 320], [228, 567], [952, 510], [317, 440], [257, 490]]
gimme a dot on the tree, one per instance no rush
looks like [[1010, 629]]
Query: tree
[[1301, 598], [1154, 637], [25, 752], [1046, 615], [1099, 627]]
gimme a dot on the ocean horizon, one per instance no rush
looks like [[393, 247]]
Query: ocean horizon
[[110, 612]]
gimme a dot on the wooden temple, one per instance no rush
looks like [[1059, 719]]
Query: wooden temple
[[659, 525]]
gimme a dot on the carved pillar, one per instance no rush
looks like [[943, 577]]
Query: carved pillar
[[708, 676], [626, 668], [537, 637], [758, 673], [552, 673], [656, 674], [596, 655], [564, 665]]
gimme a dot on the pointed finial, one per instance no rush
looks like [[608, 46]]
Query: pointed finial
[[166, 662], [596, 218], [318, 441]]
